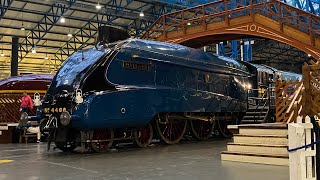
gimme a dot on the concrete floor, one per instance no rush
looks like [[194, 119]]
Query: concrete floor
[[186, 161]]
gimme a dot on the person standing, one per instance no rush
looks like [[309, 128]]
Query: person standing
[[26, 103], [26, 106]]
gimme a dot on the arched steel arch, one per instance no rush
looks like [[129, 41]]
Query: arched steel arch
[[225, 19]]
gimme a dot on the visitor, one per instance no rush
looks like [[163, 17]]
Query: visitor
[[26, 103], [26, 107]]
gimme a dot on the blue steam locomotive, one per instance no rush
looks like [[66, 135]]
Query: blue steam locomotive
[[141, 90]]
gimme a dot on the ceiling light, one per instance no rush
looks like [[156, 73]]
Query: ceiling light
[[33, 51], [309, 55], [98, 6], [46, 58], [1, 54], [141, 14], [189, 24], [62, 20], [69, 35]]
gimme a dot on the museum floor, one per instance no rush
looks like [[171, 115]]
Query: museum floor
[[185, 161]]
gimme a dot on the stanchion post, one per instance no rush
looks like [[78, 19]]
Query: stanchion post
[[317, 134]]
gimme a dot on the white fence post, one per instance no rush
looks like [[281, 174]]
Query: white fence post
[[302, 161]]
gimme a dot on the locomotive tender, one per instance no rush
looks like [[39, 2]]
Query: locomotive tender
[[140, 90]]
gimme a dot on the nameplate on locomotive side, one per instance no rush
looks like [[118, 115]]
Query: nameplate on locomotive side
[[137, 66]]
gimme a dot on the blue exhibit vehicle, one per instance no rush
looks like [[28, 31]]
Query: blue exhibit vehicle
[[140, 90]]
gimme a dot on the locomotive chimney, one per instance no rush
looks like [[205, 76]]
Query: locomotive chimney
[[108, 34]]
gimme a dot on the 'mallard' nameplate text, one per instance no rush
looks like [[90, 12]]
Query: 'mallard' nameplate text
[[137, 66]]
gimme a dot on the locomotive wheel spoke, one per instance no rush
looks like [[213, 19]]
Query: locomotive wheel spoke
[[143, 136], [201, 130], [103, 135], [171, 132], [223, 127]]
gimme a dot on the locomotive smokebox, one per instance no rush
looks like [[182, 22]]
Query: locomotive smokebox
[[108, 34]]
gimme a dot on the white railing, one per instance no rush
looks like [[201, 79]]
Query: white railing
[[302, 153]]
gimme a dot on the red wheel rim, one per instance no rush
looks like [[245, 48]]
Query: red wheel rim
[[145, 134], [102, 134]]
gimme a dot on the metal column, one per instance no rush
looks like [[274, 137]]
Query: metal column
[[14, 56]]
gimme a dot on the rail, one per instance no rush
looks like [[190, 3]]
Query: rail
[[311, 81], [288, 100], [262, 103]]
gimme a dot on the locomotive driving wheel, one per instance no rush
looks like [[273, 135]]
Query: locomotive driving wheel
[[170, 130], [223, 127], [201, 130], [68, 146], [143, 136], [101, 140]]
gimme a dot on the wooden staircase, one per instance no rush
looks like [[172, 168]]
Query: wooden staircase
[[259, 107], [259, 143], [255, 115]]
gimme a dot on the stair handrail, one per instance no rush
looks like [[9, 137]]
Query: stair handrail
[[294, 98], [293, 110], [264, 105]]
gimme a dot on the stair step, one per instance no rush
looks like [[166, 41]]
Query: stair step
[[265, 126], [4, 128], [253, 117], [260, 126], [282, 160], [258, 148], [256, 113], [233, 129], [255, 108], [261, 131], [251, 121], [261, 139]]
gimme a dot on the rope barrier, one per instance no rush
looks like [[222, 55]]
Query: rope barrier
[[304, 147]]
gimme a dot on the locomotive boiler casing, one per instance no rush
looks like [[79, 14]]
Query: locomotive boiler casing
[[145, 78]]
